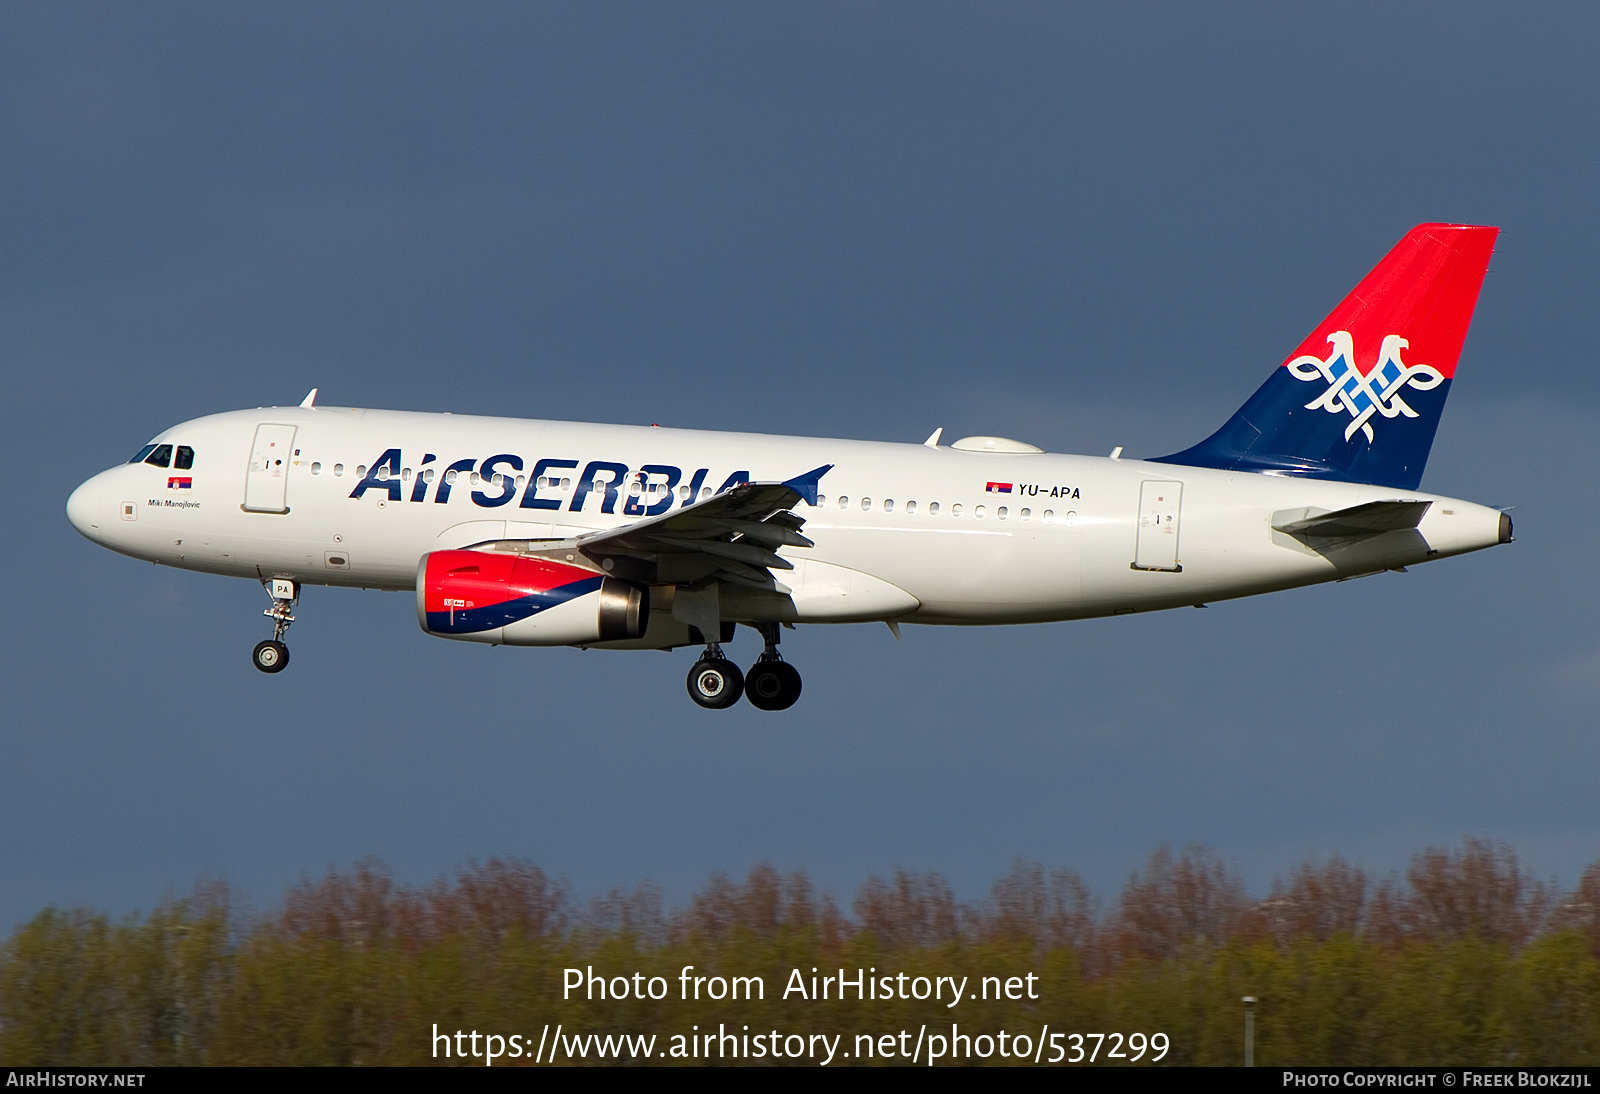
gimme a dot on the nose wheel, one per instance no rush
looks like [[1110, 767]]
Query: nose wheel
[[272, 655]]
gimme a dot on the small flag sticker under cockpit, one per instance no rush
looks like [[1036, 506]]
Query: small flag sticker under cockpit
[[176, 482], [998, 488]]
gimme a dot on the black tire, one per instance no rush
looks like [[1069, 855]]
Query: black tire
[[772, 685], [715, 683], [270, 656]]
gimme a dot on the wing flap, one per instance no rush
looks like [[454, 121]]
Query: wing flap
[[731, 537]]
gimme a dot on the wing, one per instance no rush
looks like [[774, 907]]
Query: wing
[[731, 537]]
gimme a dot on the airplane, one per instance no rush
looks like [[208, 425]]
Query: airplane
[[546, 533]]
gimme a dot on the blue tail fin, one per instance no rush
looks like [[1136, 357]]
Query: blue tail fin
[[1345, 405]]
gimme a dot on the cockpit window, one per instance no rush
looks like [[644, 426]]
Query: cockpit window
[[161, 457], [184, 459], [138, 457]]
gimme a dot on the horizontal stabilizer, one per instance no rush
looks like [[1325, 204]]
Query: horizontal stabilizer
[[1359, 520]]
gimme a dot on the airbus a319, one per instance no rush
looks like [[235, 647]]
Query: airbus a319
[[544, 533]]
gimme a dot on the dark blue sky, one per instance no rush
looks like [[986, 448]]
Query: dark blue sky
[[1084, 226]]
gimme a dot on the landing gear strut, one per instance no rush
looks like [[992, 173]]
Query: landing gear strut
[[772, 683], [272, 655]]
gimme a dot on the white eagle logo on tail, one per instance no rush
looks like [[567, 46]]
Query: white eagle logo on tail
[[1378, 392]]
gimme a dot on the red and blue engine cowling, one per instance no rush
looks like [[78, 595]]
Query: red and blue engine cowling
[[481, 596]]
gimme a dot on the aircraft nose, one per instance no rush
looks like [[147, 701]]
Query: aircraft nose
[[84, 509]]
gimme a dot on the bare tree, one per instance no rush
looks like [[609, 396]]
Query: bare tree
[[764, 904], [1051, 908], [1318, 901], [1480, 891], [1173, 903], [912, 910]]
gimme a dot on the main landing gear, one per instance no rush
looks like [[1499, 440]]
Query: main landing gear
[[272, 655], [771, 684]]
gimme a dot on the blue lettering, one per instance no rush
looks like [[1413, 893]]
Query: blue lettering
[[530, 497], [419, 489], [389, 463], [617, 471], [442, 495], [734, 480], [635, 506], [695, 484], [508, 483]]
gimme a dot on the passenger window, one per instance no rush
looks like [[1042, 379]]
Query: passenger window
[[338, 470], [888, 506], [911, 507], [844, 502], [955, 510], [161, 457], [933, 508], [185, 458], [138, 457], [866, 503], [316, 468]]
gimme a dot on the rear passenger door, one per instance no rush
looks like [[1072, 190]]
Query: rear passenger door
[[1159, 506]]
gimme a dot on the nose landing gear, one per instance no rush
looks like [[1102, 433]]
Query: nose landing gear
[[272, 655]]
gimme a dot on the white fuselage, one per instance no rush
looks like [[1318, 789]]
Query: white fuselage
[[910, 532]]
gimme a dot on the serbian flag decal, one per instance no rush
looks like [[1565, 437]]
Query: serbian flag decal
[[998, 488], [180, 483]]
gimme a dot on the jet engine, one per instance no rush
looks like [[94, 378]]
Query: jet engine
[[514, 600]]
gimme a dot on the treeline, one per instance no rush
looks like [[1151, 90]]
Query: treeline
[[1465, 959]]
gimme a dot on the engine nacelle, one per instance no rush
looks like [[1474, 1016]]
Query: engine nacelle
[[481, 596]]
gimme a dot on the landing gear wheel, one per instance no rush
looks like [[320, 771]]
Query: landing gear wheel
[[715, 683], [270, 656], [772, 685]]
